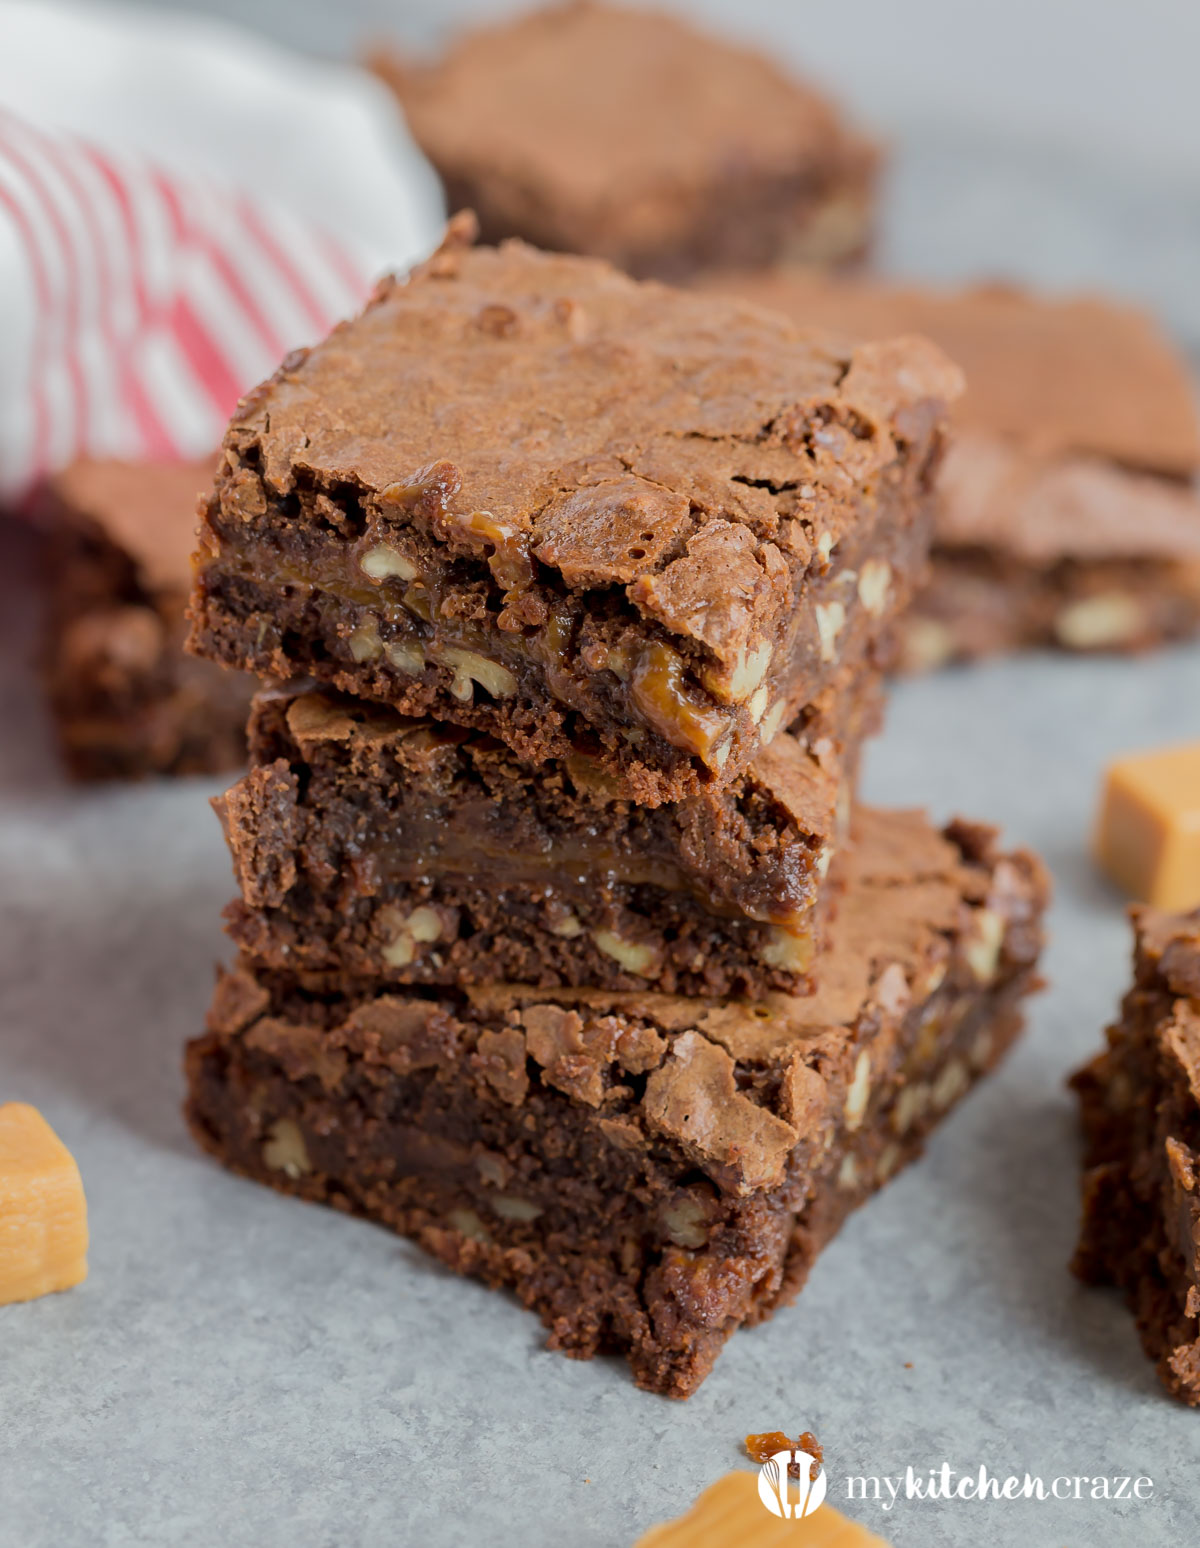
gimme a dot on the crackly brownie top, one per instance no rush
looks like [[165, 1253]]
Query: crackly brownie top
[[1066, 375], [595, 105], [695, 451], [146, 509], [1000, 495]]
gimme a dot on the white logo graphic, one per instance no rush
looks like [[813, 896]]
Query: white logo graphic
[[773, 1488]]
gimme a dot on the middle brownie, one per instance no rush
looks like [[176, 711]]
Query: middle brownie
[[371, 844]]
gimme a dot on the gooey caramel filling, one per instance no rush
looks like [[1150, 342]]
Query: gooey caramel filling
[[464, 843], [388, 586]]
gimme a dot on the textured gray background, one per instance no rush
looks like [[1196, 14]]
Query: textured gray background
[[241, 1369]]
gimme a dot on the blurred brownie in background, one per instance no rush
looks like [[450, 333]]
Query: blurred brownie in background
[[127, 700], [1068, 514], [627, 135]]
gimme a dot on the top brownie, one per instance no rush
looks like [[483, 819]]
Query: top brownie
[[632, 136], [590, 516]]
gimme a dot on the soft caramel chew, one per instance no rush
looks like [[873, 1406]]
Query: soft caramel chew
[[1148, 834], [367, 843], [730, 1512], [43, 1213]]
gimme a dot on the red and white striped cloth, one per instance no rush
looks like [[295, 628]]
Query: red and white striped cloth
[[138, 302], [156, 303]]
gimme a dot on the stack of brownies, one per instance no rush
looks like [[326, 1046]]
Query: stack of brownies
[[562, 948]]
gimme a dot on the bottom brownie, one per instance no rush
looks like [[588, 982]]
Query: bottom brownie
[[1141, 1120], [647, 1172]]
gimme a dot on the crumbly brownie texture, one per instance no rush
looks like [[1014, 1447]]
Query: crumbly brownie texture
[[629, 136], [369, 844], [1141, 1120], [127, 699], [646, 1172], [595, 518], [1067, 515]]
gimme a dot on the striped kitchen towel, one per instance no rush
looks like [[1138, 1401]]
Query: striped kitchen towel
[[139, 300]]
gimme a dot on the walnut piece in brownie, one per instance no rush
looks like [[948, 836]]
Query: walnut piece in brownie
[[596, 518], [1141, 1120], [647, 1172], [1068, 514], [127, 699], [630, 136], [371, 844]]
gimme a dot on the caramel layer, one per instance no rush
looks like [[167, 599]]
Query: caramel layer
[[419, 851]]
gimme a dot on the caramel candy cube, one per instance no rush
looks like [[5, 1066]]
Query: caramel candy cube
[[1148, 835], [43, 1213], [731, 1511]]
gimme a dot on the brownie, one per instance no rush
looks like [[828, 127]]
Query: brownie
[[127, 699], [630, 136], [1068, 515], [367, 843], [1141, 1120], [593, 517], [1061, 551], [647, 1172]]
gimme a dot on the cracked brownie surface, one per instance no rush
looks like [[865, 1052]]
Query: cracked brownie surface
[[595, 518], [1067, 511]]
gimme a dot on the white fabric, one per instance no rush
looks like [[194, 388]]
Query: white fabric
[[268, 191]]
